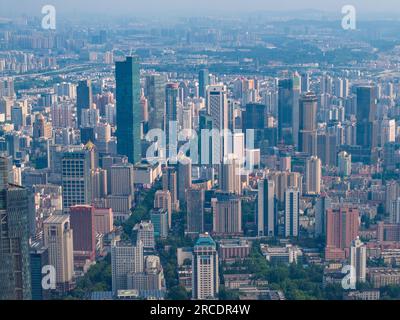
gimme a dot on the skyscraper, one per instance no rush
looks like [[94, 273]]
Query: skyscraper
[[227, 214], [170, 118], [217, 106], [84, 237], [144, 232], [266, 215], [195, 210], [322, 205], [162, 199], [15, 275], [155, 93], [342, 227], [84, 98], [358, 259], [125, 259], [159, 219], [204, 81], [184, 177], [230, 175], [308, 124], [395, 211], [313, 175], [285, 111], [366, 113], [170, 183], [76, 179], [39, 257], [127, 77], [205, 278], [292, 207], [58, 238]]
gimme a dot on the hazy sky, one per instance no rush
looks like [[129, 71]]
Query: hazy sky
[[191, 7]]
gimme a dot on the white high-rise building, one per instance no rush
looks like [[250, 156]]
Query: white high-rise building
[[266, 208], [125, 259], [205, 278], [313, 175], [292, 199], [358, 259], [59, 241], [217, 106]]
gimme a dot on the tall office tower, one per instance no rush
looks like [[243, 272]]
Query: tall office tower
[[76, 186], [205, 278], [266, 214], [15, 276], [358, 259], [227, 214], [366, 113], [392, 194], [125, 259], [162, 199], [285, 111], [292, 207], [127, 77], [341, 229], [344, 164], [84, 98], [184, 177], [159, 218], [58, 238], [170, 118], [195, 211], [204, 81], [155, 93], [308, 124], [296, 116], [144, 232], [323, 203], [122, 179], [84, 236], [313, 175], [217, 106], [230, 175], [305, 82], [39, 257], [170, 183], [395, 211]]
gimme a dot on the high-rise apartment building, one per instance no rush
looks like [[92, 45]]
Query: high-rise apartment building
[[205, 277]]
